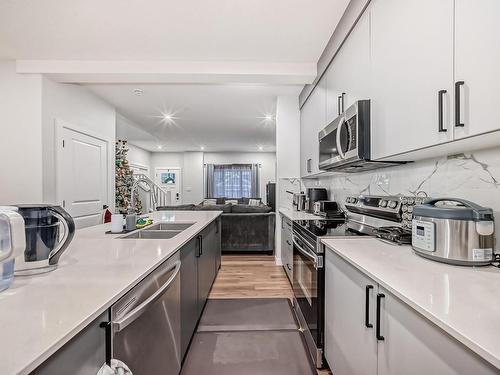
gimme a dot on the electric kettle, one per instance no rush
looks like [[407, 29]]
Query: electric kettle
[[12, 243], [49, 231]]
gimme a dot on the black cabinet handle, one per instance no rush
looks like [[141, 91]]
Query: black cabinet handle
[[339, 105], [379, 336], [440, 111], [288, 242], [200, 239], [458, 123], [367, 306], [288, 266], [343, 97]]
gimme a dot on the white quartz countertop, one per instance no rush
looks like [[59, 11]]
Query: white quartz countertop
[[39, 314], [297, 215], [463, 301]]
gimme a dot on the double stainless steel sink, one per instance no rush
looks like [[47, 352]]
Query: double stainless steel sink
[[159, 231]]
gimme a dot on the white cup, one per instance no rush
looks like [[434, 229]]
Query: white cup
[[116, 223]]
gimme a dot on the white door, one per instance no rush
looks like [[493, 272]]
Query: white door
[[170, 180], [411, 60], [82, 176], [477, 62], [413, 345], [350, 346]]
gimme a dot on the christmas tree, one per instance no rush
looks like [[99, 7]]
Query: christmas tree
[[124, 179]]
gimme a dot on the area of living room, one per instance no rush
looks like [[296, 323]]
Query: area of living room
[[214, 149]]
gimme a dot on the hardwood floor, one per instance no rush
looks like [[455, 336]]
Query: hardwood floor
[[255, 276], [251, 277]]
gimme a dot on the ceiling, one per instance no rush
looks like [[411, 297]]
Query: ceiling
[[212, 117], [217, 66], [188, 30]]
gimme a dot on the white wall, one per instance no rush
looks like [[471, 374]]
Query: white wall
[[192, 184], [287, 157], [288, 137], [165, 160], [266, 159], [77, 106], [138, 156], [21, 136]]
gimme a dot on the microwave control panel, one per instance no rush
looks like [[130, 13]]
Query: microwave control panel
[[423, 235]]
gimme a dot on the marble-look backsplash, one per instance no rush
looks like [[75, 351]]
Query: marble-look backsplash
[[472, 176]]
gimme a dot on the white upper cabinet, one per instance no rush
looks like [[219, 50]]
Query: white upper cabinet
[[411, 61], [312, 120], [348, 73], [477, 64]]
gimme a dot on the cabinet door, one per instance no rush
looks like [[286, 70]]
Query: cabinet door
[[312, 120], [477, 61], [206, 264], [286, 247], [189, 292], [350, 346], [82, 355], [218, 249], [413, 345], [347, 76], [411, 61]]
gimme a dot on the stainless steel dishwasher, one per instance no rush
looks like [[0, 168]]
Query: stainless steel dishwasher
[[146, 323]]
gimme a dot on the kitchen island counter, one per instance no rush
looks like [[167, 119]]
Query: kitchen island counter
[[40, 313]]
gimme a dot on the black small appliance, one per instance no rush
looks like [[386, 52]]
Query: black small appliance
[[314, 195]]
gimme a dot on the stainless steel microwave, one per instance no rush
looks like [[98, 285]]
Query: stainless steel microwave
[[344, 145]]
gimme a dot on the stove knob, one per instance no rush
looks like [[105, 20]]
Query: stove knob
[[404, 200], [410, 209], [405, 208], [411, 200], [392, 204], [383, 203]]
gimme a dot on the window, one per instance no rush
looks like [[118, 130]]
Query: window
[[233, 181]]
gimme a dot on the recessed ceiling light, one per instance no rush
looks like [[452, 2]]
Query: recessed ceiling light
[[269, 117], [167, 117], [261, 148], [202, 148], [138, 92], [160, 147]]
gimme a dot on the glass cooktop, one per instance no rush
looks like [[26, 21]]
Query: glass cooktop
[[329, 228]]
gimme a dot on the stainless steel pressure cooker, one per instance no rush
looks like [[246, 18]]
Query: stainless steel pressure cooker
[[454, 231]]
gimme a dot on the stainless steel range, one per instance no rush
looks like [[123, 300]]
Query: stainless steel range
[[379, 216]]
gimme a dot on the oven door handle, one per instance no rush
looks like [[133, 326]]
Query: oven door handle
[[121, 324], [337, 138], [316, 259]]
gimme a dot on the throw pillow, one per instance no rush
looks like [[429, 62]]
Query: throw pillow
[[254, 202], [210, 202], [232, 201]]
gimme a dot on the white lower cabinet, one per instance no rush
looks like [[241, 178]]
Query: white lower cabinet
[[350, 346], [287, 246], [408, 343]]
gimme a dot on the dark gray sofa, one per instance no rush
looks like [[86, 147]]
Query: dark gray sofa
[[244, 228]]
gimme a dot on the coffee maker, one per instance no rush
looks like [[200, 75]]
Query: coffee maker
[[314, 195]]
